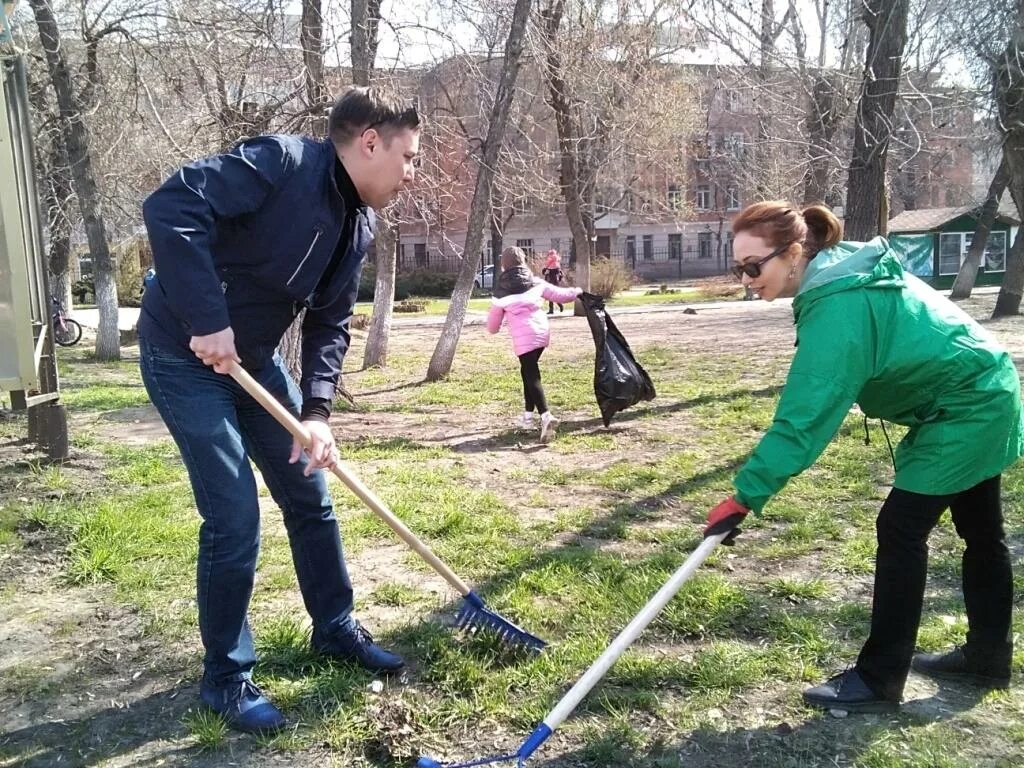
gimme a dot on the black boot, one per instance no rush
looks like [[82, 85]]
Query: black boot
[[964, 664]]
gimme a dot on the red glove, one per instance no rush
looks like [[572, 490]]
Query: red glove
[[725, 517]]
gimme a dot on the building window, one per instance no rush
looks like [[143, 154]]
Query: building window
[[675, 246], [675, 197], [734, 145], [648, 247], [732, 199], [728, 247], [704, 245], [401, 256], [631, 248], [420, 255], [736, 100], [527, 246], [703, 200], [995, 252], [703, 166]]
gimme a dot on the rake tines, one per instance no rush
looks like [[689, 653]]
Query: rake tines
[[475, 613]]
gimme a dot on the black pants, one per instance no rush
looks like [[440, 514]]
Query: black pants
[[533, 392], [903, 526]]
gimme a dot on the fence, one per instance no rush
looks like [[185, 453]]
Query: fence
[[685, 259]]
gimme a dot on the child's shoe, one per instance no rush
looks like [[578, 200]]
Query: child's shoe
[[548, 426]]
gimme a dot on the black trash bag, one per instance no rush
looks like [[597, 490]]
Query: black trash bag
[[619, 380]]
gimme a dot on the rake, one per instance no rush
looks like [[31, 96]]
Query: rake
[[597, 670], [474, 612]]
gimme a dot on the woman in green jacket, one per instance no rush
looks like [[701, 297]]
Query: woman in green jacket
[[870, 334]]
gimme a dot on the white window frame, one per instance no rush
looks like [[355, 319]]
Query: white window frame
[[732, 198], [705, 247], [702, 197], [675, 197], [965, 245], [526, 244]]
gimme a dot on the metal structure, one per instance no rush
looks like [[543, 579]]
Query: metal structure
[[28, 370]]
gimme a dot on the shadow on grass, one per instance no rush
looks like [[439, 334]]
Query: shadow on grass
[[820, 740], [507, 439]]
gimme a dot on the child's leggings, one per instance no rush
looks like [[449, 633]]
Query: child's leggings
[[533, 392]]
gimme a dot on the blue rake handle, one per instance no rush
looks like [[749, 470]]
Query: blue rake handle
[[600, 667]]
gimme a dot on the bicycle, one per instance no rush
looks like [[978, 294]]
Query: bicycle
[[66, 331]]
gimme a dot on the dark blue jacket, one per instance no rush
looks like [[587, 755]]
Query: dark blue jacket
[[242, 239]]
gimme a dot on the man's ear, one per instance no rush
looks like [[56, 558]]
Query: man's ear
[[369, 140]]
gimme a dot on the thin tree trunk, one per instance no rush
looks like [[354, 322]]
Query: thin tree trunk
[[76, 139], [887, 21], [363, 43], [570, 141], [444, 353], [376, 352], [365, 23], [57, 197], [964, 283], [1009, 90]]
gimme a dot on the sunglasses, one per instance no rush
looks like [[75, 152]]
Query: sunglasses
[[753, 268]]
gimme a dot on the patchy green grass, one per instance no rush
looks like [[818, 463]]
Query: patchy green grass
[[569, 541]]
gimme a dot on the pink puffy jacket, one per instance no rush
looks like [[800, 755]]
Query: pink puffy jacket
[[527, 321]]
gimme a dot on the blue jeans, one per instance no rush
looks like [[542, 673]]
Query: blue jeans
[[218, 427]]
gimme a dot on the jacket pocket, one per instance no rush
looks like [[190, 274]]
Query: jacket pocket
[[316, 237]]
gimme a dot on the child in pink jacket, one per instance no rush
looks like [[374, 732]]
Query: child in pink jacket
[[519, 297]]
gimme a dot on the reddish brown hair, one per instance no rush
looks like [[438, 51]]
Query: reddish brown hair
[[815, 227]]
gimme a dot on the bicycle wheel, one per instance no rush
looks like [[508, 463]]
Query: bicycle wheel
[[67, 333]]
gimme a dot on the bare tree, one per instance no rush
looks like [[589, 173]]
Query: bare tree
[[76, 140], [444, 352], [866, 202], [964, 283], [1009, 97]]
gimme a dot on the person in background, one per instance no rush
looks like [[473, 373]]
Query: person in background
[[519, 296], [552, 273], [242, 242], [867, 332]]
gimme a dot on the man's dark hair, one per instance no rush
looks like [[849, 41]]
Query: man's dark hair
[[361, 108]]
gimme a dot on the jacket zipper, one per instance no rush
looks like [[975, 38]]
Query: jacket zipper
[[304, 258]]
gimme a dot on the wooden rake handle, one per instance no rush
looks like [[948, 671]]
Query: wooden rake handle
[[343, 473]]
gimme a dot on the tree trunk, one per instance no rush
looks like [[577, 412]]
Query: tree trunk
[[822, 121], [365, 22], [1008, 300], [887, 22], [570, 141], [57, 197], [363, 44], [964, 283], [1009, 91], [311, 38], [376, 352], [444, 353], [76, 140]]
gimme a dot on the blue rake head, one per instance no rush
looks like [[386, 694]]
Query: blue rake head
[[475, 613], [535, 739], [426, 762]]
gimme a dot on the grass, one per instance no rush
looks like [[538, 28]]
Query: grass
[[569, 542]]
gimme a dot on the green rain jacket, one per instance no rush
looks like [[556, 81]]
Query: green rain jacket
[[870, 334]]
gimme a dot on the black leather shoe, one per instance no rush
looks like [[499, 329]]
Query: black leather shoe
[[988, 670], [355, 643], [243, 706], [848, 691]]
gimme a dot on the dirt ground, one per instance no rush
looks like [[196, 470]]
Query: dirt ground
[[81, 678]]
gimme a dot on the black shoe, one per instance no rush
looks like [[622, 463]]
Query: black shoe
[[963, 664], [848, 691], [243, 706], [354, 643]]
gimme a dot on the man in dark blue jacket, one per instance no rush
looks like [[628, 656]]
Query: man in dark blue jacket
[[242, 242]]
